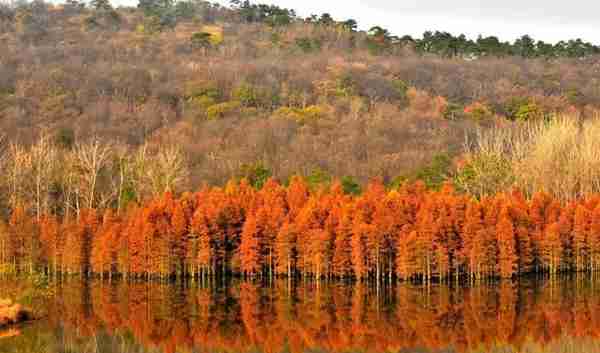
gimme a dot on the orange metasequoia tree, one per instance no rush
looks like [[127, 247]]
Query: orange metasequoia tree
[[507, 245]]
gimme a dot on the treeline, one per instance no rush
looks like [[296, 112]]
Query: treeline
[[408, 234], [166, 14], [439, 43], [552, 316], [448, 45]]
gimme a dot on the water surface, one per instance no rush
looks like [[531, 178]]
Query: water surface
[[93, 316]]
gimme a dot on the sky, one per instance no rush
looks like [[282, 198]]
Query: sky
[[548, 20]]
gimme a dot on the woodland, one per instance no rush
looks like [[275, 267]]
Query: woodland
[[408, 234], [192, 140]]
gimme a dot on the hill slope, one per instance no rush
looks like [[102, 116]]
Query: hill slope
[[253, 89]]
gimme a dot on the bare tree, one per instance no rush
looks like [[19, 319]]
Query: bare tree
[[43, 157], [18, 172], [139, 167], [3, 174], [91, 158], [2, 149], [125, 171], [2, 156], [168, 170], [67, 181]]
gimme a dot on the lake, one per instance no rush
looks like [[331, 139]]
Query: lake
[[560, 315]]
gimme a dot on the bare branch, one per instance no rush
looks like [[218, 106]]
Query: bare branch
[[2, 149], [18, 172], [168, 170], [92, 158], [43, 155]]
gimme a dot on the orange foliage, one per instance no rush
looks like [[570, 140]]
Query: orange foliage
[[329, 317], [410, 233]]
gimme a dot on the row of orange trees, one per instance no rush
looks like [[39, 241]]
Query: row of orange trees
[[409, 233]]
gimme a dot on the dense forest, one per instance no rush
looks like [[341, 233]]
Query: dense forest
[[109, 117], [410, 234]]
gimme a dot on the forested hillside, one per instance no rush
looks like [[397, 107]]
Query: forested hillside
[[253, 90], [109, 118]]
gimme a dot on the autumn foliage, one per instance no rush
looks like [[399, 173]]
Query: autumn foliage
[[409, 233]]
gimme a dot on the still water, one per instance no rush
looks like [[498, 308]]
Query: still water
[[561, 315]]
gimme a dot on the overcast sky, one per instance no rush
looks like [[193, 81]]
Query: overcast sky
[[549, 20]]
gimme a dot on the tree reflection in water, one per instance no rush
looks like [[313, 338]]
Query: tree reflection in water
[[543, 316]]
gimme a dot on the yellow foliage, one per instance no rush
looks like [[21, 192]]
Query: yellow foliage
[[216, 34], [218, 111], [300, 115], [203, 102], [140, 29]]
